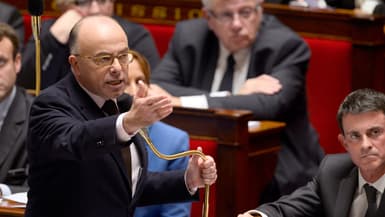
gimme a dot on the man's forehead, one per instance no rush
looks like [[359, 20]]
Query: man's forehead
[[361, 122]]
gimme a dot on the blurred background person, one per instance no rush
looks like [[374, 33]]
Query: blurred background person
[[11, 15], [54, 41], [14, 111], [240, 58], [375, 7], [167, 139]]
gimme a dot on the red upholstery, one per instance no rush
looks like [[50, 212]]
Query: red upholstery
[[328, 82], [209, 147], [28, 25], [162, 35]]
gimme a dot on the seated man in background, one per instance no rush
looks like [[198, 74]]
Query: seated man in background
[[54, 41], [346, 185], [239, 58], [376, 7], [167, 139], [14, 111], [12, 16]]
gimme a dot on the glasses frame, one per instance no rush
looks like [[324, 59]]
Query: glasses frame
[[89, 2], [98, 59], [228, 17]]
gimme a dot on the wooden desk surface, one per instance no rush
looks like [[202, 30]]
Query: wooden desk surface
[[8, 209]]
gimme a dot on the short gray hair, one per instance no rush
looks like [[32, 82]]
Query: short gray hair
[[205, 3], [361, 101]]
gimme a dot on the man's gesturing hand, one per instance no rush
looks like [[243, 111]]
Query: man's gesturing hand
[[145, 109]]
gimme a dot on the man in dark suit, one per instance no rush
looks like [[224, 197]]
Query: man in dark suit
[[268, 79], [84, 160], [346, 185], [54, 41], [14, 111], [12, 16]]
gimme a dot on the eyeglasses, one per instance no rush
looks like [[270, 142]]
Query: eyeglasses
[[108, 59], [228, 17], [89, 2]]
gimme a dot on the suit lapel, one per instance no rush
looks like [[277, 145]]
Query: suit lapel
[[90, 111], [345, 194], [209, 63], [12, 127]]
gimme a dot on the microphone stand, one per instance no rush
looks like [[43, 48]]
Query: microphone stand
[[144, 134], [36, 22]]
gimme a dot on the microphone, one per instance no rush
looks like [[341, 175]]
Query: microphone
[[35, 8]]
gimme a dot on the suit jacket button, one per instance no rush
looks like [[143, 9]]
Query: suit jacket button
[[100, 143]]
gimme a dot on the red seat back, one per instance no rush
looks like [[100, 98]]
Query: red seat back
[[328, 82]]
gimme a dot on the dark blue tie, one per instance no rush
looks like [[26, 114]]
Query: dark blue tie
[[110, 108], [371, 195], [227, 81]]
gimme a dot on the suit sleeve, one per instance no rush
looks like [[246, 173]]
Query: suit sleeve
[[175, 73], [288, 63], [305, 201], [52, 55], [165, 187], [284, 57], [58, 131]]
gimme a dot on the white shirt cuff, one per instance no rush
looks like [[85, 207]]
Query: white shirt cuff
[[368, 6], [220, 94], [254, 212], [5, 190], [192, 191], [198, 101], [123, 136]]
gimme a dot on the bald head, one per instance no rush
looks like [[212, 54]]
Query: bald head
[[95, 40], [94, 28]]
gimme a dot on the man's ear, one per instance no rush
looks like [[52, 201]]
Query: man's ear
[[74, 64], [17, 63], [341, 139], [205, 13]]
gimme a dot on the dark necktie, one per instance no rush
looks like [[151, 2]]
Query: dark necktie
[[110, 108], [227, 81], [371, 195]]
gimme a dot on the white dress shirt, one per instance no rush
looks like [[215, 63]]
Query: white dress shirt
[[242, 62], [360, 203]]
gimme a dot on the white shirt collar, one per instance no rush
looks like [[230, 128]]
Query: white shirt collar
[[97, 99], [239, 56], [379, 184]]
